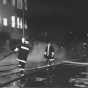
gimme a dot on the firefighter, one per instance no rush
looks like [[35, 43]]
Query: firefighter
[[49, 54], [22, 55]]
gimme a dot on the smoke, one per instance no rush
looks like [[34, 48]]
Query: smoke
[[37, 54]]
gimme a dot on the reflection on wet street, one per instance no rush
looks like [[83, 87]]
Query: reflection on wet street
[[62, 75]]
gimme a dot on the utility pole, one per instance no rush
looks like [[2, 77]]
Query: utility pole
[[23, 20]]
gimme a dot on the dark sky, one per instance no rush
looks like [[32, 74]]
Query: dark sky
[[59, 18]]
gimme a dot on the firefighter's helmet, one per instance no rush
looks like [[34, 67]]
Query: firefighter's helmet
[[23, 40], [49, 44]]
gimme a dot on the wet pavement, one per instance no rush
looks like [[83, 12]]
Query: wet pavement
[[61, 76]]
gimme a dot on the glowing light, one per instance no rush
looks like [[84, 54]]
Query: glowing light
[[84, 43], [25, 24], [87, 34], [21, 23], [13, 21], [70, 32], [61, 47], [5, 21], [18, 22]]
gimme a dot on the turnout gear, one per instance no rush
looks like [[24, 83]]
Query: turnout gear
[[22, 57], [49, 54], [23, 52]]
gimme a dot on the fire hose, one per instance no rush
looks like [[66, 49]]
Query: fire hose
[[25, 70], [7, 65], [36, 70], [8, 70], [7, 55]]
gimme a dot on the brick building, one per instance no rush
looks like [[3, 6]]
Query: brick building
[[11, 20]]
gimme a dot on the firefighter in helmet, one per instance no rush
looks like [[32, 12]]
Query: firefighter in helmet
[[22, 55], [49, 54]]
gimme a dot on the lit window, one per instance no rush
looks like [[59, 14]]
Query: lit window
[[13, 21], [21, 23], [18, 22], [25, 25], [4, 1], [5, 21], [13, 3], [19, 4]]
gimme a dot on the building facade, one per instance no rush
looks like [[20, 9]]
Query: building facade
[[11, 20]]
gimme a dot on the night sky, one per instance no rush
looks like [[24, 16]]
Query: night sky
[[63, 20]]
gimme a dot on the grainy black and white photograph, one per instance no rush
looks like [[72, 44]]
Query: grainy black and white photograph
[[43, 43]]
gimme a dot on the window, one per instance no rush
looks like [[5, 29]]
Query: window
[[13, 3], [19, 4], [4, 1], [19, 23], [5, 21], [25, 25], [25, 4], [13, 21]]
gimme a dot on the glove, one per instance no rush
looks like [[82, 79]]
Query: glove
[[16, 50]]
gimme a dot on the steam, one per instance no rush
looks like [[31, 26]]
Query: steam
[[37, 54]]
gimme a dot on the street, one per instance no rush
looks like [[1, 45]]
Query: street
[[63, 75]]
